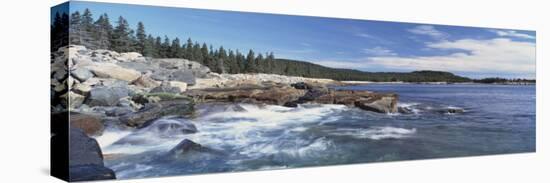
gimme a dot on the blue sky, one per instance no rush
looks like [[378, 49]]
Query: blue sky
[[343, 43]]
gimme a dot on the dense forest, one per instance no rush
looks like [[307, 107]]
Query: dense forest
[[101, 34]]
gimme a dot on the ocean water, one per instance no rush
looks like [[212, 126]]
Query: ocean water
[[497, 119]]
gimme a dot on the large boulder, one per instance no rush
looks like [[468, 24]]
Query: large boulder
[[183, 76], [86, 158], [171, 126], [152, 111], [379, 103], [277, 95], [90, 173], [82, 74], [91, 125], [108, 70], [106, 96], [83, 150], [190, 150]]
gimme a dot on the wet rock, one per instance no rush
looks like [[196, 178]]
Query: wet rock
[[118, 111], [381, 104], [106, 96], [90, 173], [188, 149], [86, 158], [273, 95], [83, 150], [152, 111], [171, 126], [453, 110], [91, 125]]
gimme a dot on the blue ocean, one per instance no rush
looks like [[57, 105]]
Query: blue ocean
[[492, 119]]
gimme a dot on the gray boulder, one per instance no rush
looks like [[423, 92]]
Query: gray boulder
[[183, 76], [82, 74], [86, 158], [152, 111], [106, 96], [83, 150], [90, 173]]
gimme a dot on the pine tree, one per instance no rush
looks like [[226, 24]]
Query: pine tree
[[75, 28], [250, 65], [188, 50], [87, 29], [158, 47], [204, 53], [165, 48], [60, 31], [121, 39], [103, 31], [149, 47], [197, 52], [175, 49], [141, 38]]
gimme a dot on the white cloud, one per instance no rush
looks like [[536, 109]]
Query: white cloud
[[494, 55], [378, 51], [512, 33], [429, 31]]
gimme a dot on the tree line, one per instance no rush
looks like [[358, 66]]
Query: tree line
[[101, 34]]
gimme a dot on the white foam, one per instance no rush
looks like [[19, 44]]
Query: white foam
[[376, 133], [110, 136], [251, 130]]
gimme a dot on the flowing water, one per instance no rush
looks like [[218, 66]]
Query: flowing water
[[497, 119]]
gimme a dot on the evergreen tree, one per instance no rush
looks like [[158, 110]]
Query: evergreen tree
[[75, 28], [197, 52], [103, 31], [158, 47], [149, 47], [121, 40], [87, 29], [250, 63], [175, 49], [59, 31], [141, 37], [188, 50]]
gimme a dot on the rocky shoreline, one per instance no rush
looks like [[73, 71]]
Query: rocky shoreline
[[126, 90]]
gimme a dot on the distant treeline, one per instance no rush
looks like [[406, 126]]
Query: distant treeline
[[101, 34], [504, 80]]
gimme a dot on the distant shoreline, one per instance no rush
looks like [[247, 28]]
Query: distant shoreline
[[351, 83]]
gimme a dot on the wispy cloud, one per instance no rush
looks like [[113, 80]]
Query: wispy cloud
[[378, 51], [512, 33], [491, 57], [498, 55], [428, 30]]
